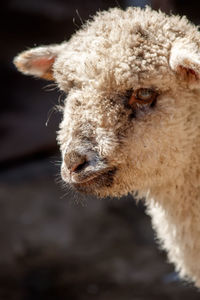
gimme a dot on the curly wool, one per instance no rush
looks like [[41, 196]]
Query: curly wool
[[155, 152]]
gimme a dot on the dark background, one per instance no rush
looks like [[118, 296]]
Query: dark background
[[54, 244]]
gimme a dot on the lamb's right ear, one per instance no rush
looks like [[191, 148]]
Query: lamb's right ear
[[185, 62], [38, 61]]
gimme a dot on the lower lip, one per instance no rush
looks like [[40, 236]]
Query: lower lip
[[86, 182]]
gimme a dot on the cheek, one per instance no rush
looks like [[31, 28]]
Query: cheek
[[157, 148], [145, 142]]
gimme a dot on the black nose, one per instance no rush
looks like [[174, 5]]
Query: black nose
[[75, 161]]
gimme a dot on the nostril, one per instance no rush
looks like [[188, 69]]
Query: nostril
[[75, 162], [80, 166]]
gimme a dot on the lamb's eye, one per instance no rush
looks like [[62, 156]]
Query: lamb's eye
[[143, 96]]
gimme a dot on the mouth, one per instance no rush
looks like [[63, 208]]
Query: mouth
[[97, 181]]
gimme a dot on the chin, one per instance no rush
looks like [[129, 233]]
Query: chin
[[100, 192]]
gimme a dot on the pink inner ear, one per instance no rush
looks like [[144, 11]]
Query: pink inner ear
[[191, 71], [188, 73], [43, 63]]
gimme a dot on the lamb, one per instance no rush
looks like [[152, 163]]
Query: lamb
[[131, 118]]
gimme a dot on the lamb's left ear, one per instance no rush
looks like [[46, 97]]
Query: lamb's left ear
[[38, 61], [185, 61]]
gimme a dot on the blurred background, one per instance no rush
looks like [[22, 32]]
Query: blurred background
[[54, 244]]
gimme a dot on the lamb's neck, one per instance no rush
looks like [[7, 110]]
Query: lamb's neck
[[175, 213]]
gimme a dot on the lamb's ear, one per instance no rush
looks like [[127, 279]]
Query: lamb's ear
[[185, 61], [38, 61]]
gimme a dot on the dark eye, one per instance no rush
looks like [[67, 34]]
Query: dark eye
[[143, 96]]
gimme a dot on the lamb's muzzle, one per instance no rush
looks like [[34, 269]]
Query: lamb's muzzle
[[84, 168]]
